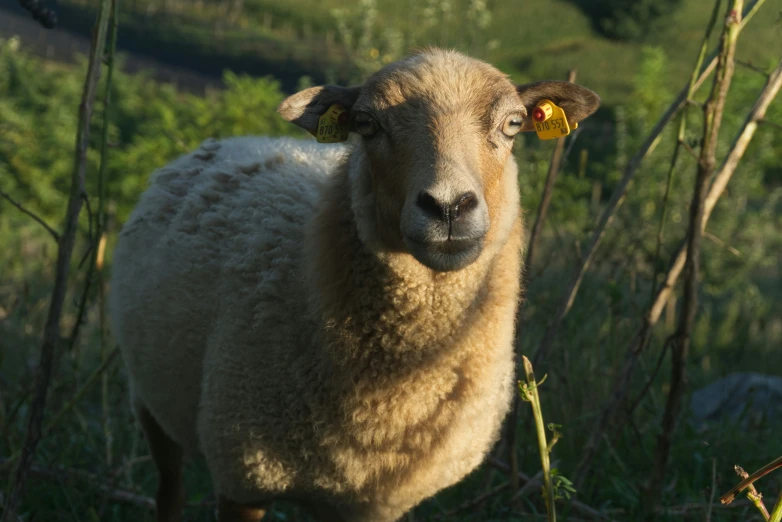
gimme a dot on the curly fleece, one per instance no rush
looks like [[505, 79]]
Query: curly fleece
[[260, 330]]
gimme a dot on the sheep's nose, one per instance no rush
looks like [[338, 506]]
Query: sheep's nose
[[450, 212]]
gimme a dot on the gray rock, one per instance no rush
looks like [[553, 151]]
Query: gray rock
[[750, 398]]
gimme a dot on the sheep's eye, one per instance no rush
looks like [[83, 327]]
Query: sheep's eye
[[512, 125], [365, 124]]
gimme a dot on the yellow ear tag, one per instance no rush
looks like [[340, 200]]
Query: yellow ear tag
[[333, 126], [550, 121]]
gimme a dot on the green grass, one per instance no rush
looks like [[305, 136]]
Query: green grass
[[536, 38], [738, 328]]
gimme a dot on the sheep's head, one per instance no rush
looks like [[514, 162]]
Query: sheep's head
[[432, 172]]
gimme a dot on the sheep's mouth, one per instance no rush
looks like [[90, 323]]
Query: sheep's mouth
[[445, 255]]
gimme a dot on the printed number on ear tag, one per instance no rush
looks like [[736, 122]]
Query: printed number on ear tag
[[333, 125], [550, 121]]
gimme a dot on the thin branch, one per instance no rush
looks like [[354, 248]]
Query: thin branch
[[652, 377], [753, 494], [682, 338], [40, 221], [714, 239], [51, 337], [621, 384], [771, 124], [689, 149], [753, 67], [728, 497], [713, 489], [617, 198]]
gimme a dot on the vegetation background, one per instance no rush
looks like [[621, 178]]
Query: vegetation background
[[242, 56]]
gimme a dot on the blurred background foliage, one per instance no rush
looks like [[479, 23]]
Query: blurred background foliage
[[636, 55]]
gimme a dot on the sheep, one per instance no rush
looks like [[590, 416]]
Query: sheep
[[334, 323]]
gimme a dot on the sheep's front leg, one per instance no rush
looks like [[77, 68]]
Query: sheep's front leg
[[167, 455], [230, 511]]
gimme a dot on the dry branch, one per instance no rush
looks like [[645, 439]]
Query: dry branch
[[64, 253], [713, 112], [621, 385], [728, 497], [617, 198], [40, 220]]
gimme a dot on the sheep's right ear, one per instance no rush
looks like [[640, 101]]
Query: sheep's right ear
[[306, 107]]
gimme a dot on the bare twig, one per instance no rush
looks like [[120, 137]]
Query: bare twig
[[706, 165], [728, 497], [753, 494], [713, 489], [40, 221], [621, 384], [751, 66], [64, 253], [617, 198], [771, 124]]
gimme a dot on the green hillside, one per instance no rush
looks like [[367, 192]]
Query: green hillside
[[531, 39]]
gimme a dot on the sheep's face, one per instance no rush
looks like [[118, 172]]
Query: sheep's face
[[433, 172]]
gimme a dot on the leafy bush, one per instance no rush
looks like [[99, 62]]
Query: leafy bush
[[151, 124]]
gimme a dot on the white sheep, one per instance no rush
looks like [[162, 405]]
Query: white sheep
[[334, 324]]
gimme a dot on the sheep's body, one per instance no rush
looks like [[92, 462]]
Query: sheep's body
[[259, 330], [332, 323]]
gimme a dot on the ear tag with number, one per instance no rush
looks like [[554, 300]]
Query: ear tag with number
[[333, 126], [550, 121]]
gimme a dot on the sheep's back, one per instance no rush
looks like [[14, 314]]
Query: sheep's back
[[213, 246]]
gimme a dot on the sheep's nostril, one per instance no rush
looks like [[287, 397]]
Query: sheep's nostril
[[431, 206], [465, 204]]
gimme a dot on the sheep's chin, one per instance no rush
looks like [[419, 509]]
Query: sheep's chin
[[445, 256]]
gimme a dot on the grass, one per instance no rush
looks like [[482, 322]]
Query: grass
[[536, 38], [92, 462]]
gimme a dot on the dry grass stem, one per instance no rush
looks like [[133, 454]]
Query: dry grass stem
[[680, 346], [728, 497]]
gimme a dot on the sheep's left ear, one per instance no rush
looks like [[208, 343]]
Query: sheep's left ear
[[306, 107], [577, 102]]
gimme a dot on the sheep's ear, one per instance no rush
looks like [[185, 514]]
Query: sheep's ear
[[577, 102], [306, 107]]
